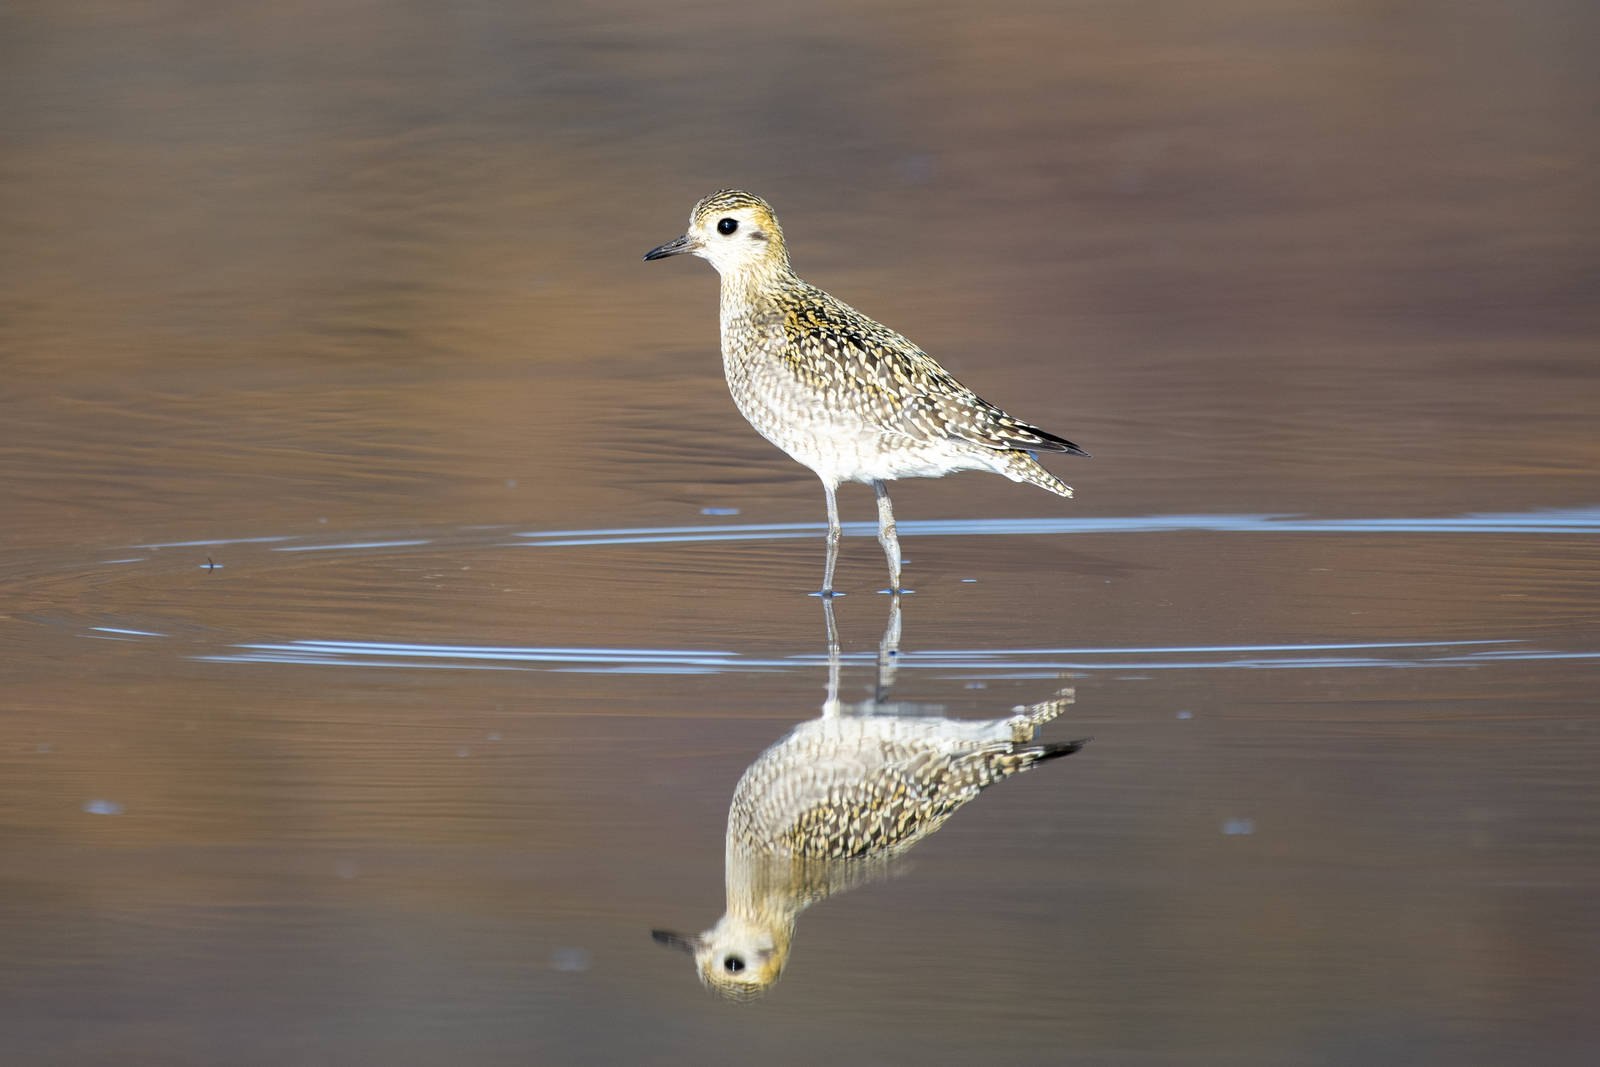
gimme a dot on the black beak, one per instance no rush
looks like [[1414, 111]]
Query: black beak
[[676, 247], [667, 937]]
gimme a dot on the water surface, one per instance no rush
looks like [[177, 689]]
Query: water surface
[[391, 598]]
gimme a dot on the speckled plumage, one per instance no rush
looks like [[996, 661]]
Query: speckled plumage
[[850, 786], [839, 392]]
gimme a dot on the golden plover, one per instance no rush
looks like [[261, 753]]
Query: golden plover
[[830, 805], [844, 395]]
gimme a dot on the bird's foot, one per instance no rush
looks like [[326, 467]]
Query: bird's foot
[[896, 590], [826, 594]]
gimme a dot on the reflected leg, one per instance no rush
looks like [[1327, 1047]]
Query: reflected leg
[[830, 706], [887, 536], [888, 653]]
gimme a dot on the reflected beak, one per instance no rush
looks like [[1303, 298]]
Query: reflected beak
[[667, 937], [676, 247]]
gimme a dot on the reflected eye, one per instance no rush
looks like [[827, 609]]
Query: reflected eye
[[725, 227], [732, 964]]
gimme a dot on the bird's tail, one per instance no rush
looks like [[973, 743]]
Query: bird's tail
[[1021, 467], [996, 766], [1026, 722]]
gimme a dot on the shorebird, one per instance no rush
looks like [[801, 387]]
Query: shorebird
[[839, 392]]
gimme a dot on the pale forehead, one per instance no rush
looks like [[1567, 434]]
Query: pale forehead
[[731, 200]]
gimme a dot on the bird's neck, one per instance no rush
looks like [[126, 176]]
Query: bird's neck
[[752, 284]]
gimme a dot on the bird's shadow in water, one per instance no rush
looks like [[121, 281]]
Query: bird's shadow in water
[[831, 804]]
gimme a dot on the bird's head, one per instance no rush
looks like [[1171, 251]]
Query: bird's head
[[738, 960], [736, 231]]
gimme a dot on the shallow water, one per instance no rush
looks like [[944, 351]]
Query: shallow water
[[391, 598]]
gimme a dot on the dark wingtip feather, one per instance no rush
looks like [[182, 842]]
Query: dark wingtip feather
[[1049, 442], [1057, 749], [1062, 445]]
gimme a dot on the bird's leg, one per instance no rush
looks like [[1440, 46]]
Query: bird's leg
[[887, 537], [834, 533], [830, 706]]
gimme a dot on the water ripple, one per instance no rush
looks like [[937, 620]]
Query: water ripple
[[1584, 520], [964, 662]]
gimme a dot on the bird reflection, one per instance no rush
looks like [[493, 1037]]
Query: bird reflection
[[828, 807]]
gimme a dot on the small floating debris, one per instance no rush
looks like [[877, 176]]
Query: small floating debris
[[719, 511], [1238, 827], [102, 807], [1186, 714], [570, 960], [917, 168]]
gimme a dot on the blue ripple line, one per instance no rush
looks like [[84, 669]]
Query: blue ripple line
[[217, 541], [430, 649], [1218, 648], [547, 652], [350, 545], [1584, 520], [683, 661]]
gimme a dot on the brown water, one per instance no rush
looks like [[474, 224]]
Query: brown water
[[382, 646]]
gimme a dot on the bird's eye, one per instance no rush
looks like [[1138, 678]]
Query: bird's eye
[[732, 964], [725, 227]]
